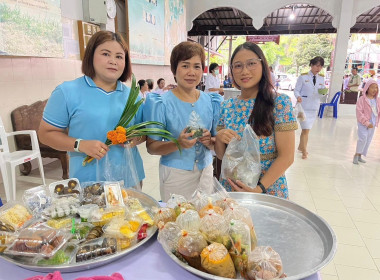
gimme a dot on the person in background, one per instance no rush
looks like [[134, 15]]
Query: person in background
[[346, 80], [306, 92], [79, 113], [160, 89], [212, 82], [351, 93], [270, 115], [367, 114], [227, 82], [144, 89], [183, 172], [272, 76], [150, 84]]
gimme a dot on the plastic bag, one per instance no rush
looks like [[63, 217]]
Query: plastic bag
[[190, 246], [299, 112], [241, 161], [123, 172], [216, 260], [264, 263], [195, 125]]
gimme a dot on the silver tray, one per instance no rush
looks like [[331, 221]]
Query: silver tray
[[305, 242], [146, 200]]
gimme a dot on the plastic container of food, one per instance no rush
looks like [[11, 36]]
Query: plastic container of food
[[14, 214], [62, 207], [85, 211], [59, 222], [96, 248], [63, 256], [104, 216], [66, 187], [37, 200], [81, 231], [93, 193], [113, 194], [6, 239]]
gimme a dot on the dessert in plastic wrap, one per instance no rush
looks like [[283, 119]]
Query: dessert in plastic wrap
[[199, 199], [190, 246], [241, 244], [6, 239], [39, 241], [113, 194], [123, 228], [66, 187], [243, 214], [94, 233], [104, 216], [264, 263], [14, 215], [134, 206], [6, 227], [215, 228], [85, 211], [195, 125], [63, 256], [81, 231], [226, 203], [164, 215], [59, 223], [189, 220], [96, 248], [174, 200], [62, 207], [169, 236], [93, 193], [209, 208], [182, 207], [216, 260], [241, 160], [37, 200]]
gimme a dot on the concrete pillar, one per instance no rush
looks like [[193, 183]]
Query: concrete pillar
[[343, 25]]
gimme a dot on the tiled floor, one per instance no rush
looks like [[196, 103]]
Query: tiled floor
[[327, 183]]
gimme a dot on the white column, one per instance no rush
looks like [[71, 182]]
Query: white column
[[344, 23]]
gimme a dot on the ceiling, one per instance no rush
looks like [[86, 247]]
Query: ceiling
[[308, 20]]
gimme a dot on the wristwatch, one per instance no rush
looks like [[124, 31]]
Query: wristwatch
[[262, 187], [76, 145]]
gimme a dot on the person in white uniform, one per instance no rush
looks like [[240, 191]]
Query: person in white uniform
[[212, 82], [306, 92]]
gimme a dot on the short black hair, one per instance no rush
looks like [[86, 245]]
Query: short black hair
[[355, 68], [159, 80], [212, 67], [317, 59], [141, 83]]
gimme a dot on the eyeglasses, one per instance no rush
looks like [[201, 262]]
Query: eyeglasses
[[251, 64]]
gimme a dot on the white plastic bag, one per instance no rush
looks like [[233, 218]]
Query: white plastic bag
[[299, 112], [195, 125], [241, 161]]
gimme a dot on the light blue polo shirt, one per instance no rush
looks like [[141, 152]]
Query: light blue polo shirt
[[175, 114], [89, 112]]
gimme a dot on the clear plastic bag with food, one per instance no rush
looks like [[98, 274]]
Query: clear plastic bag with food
[[174, 200], [190, 246], [37, 199], [135, 207], [216, 260], [299, 112], [102, 216], [215, 228], [169, 235], [241, 160], [189, 220], [164, 215], [264, 263], [209, 208], [195, 125], [81, 231], [241, 243]]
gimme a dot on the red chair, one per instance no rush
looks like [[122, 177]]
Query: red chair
[[334, 103]]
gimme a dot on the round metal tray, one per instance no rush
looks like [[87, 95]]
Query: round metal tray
[[146, 200], [305, 242]]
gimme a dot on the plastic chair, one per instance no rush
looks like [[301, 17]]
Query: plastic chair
[[334, 103], [9, 160]]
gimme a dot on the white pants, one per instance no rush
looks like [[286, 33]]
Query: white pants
[[184, 182], [364, 139]]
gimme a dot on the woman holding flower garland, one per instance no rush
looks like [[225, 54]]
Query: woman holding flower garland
[[182, 172], [270, 116], [79, 113]]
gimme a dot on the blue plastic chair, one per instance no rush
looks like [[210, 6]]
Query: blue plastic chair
[[334, 103]]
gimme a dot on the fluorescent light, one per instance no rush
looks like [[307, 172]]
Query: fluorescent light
[[292, 16]]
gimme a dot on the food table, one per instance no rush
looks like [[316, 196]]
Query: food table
[[147, 262]]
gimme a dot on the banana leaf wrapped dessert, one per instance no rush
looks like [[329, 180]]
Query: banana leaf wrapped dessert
[[243, 214], [241, 244], [216, 260], [215, 228], [190, 246], [169, 236], [264, 263], [189, 220], [164, 215]]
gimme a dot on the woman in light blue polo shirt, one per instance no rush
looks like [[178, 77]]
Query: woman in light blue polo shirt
[[182, 172], [79, 113]]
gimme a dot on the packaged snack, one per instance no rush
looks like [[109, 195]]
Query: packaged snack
[[216, 260], [134, 206], [38, 241], [113, 194], [189, 220], [96, 248], [199, 199], [37, 200], [182, 207], [104, 216], [190, 246], [122, 227], [164, 215], [85, 211], [174, 200], [63, 256], [14, 214], [66, 187], [122, 241], [93, 193], [241, 244], [95, 232], [82, 230], [210, 208], [226, 203], [6, 227], [6, 239], [215, 228], [169, 235], [62, 207], [59, 223], [195, 125], [264, 263]]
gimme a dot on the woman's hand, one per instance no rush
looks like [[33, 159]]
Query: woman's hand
[[225, 136], [134, 141], [184, 140], [206, 139], [370, 125], [239, 186], [93, 148], [299, 99]]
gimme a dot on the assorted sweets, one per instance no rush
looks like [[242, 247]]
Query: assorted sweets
[[216, 235], [63, 224]]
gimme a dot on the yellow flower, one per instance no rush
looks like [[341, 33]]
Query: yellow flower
[[121, 138]]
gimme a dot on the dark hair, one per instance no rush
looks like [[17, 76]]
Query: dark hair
[[150, 83], [184, 51], [159, 81], [317, 59], [212, 67], [355, 68], [141, 83], [97, 39], [261, 118]]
